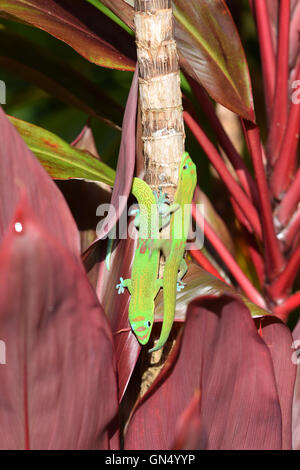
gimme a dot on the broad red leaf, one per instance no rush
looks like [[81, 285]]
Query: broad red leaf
[[211, 52], [58, 387], [223, 356], [79, 24], [19, 171], [296, 413], [116, 308], [125, 167], [280, 342], [296, 403], [122, 9], [85, 141], [188, 425], [209, 47]]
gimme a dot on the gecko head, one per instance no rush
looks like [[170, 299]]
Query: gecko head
[[141, 326], [188, 172]]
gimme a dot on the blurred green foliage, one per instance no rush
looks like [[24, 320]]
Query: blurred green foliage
[[29, 103]]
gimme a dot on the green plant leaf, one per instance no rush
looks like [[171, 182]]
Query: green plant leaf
[[91, 33], [108, 11], [61, 160]]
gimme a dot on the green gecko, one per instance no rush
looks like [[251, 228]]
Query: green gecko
[[173, 248], [144, 285]]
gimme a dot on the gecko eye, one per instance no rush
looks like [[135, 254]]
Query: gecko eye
[[185, 167], [148, 324]]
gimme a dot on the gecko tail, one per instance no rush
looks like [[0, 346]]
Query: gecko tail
[[164, 335], [157, 346]]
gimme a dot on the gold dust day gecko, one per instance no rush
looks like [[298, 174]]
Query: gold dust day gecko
[[144, 283], [173, 248]]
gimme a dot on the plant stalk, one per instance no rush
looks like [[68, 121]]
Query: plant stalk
[[160, 94], [228, 259], [282, 311], [274, 259], [206, 264], [235, 159], [285, 165], [266, 51], [280, 106], [281, 287], [235, 190], [290, 201]]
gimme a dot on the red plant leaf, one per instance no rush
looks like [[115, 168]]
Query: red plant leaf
[[91, 33], [20, 170], [296, 414], [122, 9], [116, 308], [210, 49], [188, 425], [85, 141], [280, 342], [59, 386], [125, 168], [273, 10], [211, 52], [126, 159], [294, 34], [296, 403], [223, 356]]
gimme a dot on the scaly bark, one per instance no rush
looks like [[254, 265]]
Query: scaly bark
[[160, 95], [163, 133]]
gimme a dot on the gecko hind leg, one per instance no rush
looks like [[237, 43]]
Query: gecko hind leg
[[182, 271]]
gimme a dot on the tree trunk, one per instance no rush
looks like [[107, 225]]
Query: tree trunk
[[160, 95], [162, 122]]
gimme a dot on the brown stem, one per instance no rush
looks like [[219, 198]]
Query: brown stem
[[160, 95]]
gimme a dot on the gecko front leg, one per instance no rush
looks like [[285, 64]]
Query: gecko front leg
[[124, 283]]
